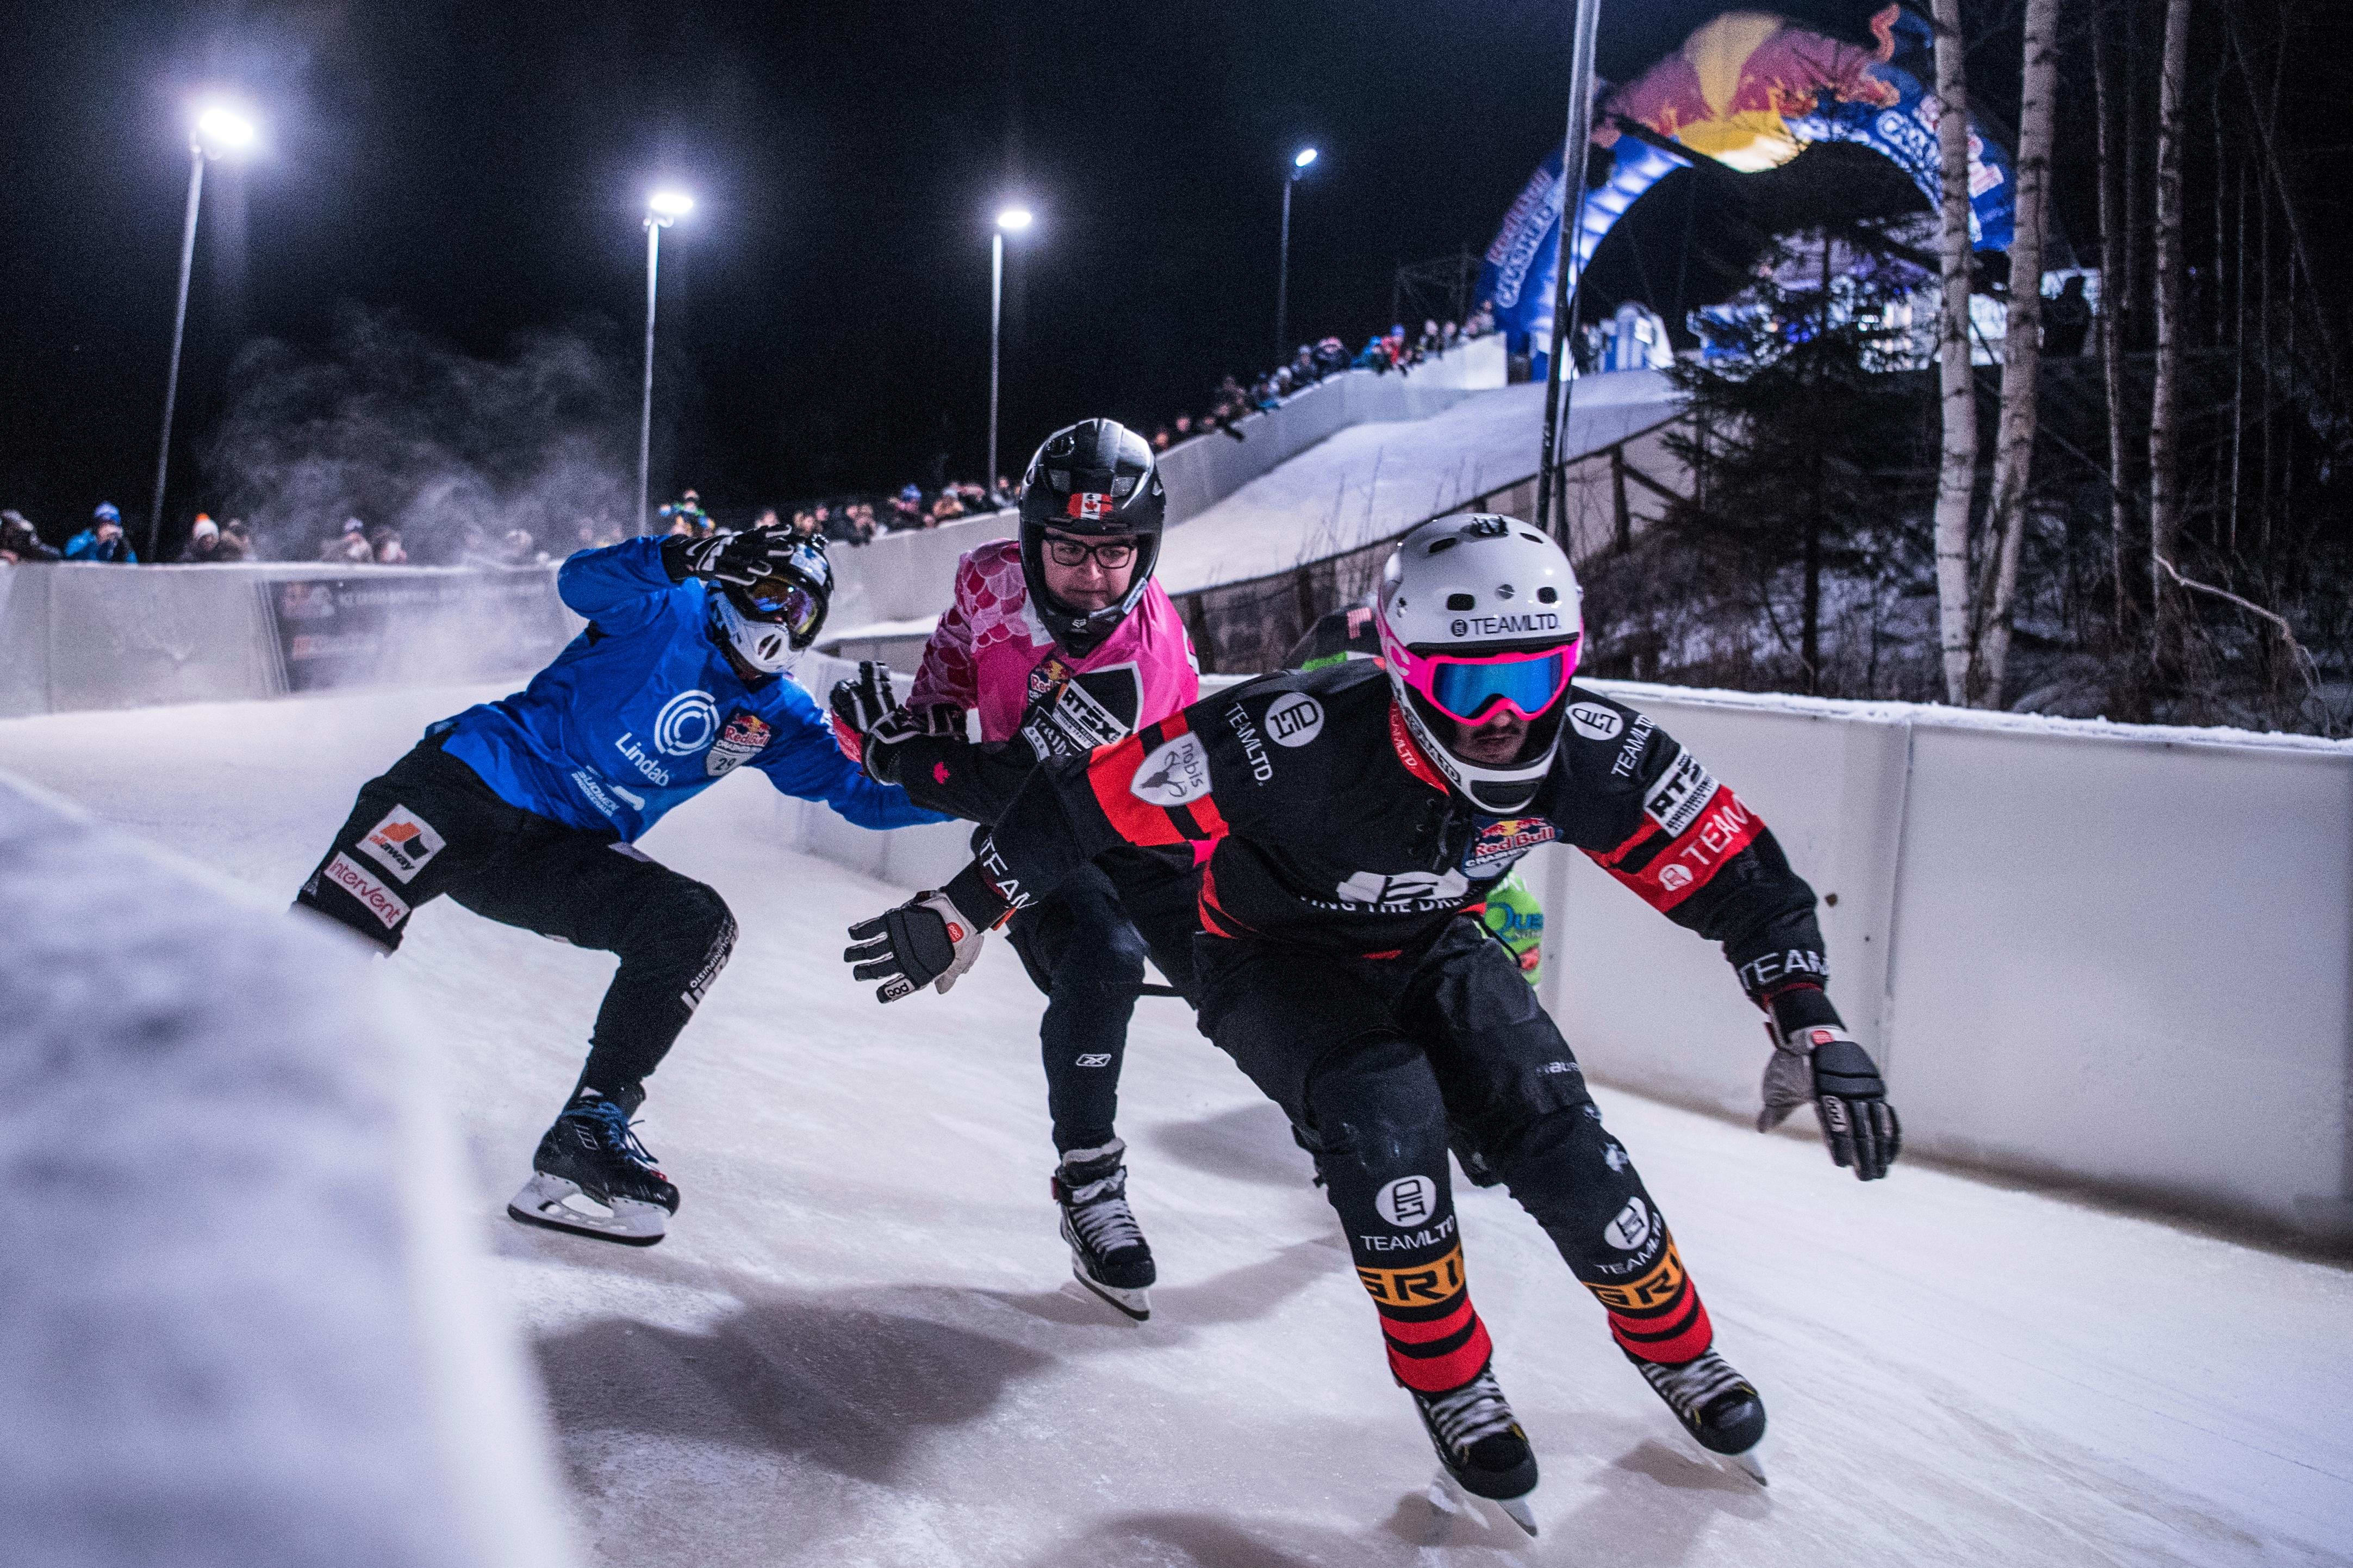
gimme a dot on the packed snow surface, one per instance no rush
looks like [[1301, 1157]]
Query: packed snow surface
[[860, 1343], [1371, 483]]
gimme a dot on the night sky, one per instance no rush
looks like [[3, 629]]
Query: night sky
[[478, 172]]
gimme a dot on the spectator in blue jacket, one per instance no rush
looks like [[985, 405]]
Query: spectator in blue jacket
[[527, 811], [103, 539]]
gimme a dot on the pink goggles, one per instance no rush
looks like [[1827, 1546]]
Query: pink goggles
[[1469, 691]]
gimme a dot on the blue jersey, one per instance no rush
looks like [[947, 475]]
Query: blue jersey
[[643, 711]]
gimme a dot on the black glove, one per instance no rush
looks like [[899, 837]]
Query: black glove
[[1822, 1063], [926, 940], [859, 704], [742, 559]]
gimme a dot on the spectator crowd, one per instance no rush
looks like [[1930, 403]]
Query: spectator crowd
[[852, 518]]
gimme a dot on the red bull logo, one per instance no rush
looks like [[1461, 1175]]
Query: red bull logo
[[1736, 84]]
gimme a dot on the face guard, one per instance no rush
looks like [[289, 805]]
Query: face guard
[[771, 620]]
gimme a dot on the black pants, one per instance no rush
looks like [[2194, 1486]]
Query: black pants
[[429, 826], [1085, 948], [1376, 1062]]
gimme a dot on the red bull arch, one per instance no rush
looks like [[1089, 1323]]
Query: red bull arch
[[1748, 90]]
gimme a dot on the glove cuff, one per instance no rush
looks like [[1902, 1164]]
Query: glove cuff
[[976, 898], [674, 559], [1801, 1006]]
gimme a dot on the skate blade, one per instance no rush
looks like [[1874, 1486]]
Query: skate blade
[[1134, 1304], [1450, 1498], [559, 1205], [1749, 1464]]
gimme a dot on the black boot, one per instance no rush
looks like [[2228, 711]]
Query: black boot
[[1479, 1442], [1108, 1252], [592, 1175], [1721, 1409]]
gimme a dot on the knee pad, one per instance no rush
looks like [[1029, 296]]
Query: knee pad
[[1380, 1131], [1566, 1170]]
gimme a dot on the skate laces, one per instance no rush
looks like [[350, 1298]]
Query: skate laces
[[1099, 1212], [1694, 1385], [617, 1129], [1463, 1416]]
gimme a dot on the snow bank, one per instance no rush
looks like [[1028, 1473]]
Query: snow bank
[[246, 1321]]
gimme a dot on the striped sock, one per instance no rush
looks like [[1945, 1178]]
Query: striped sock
[[1659, 1317], [1435, 1339]]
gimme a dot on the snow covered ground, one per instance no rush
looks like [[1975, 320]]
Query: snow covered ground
[[859, 1344], [1371, 483]]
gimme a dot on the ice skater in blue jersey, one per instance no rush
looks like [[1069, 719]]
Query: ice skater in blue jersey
[[527, 811]]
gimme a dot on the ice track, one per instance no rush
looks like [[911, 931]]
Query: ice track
[[860, 1343]]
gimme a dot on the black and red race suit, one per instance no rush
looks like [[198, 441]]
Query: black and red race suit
[[1336, 965]]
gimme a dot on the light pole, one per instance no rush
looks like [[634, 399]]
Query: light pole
[[662, 209], [1298, 165], [1012, 220], [1565, 294], [219, 130]]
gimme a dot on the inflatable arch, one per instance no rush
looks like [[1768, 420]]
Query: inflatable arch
[[1750, 90]]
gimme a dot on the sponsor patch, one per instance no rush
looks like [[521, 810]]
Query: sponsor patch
[[376, 896], [590, 786], [402, 842], [1261, 766], [1406, 892], [1652, 1290], [1407, 1201], [1682, 793], [1596, 722], [686, 723], [1405, 1286], [743, 737], [1499, 844], [1092, 1059], [1632, 1227], [1674, 878], [1173, 773], [1294, 720], [713, 963]]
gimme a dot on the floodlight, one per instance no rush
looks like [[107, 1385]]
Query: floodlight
[[670, 203], [1305, 156], [1013, 220], [220, 129]]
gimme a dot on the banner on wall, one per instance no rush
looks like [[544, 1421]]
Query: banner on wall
[[427, 626], [1750, 90]]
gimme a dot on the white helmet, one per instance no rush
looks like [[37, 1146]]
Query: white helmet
[[1479, 612]]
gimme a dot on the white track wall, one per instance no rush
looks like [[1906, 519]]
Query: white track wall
[[2115, 956], [246, 1315]]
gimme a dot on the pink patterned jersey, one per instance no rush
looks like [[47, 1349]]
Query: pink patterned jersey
[[991, 652]]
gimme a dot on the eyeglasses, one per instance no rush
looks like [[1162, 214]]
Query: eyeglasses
[[1111, 554]]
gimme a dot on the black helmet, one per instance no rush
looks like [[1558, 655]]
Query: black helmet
[[1098, 478]]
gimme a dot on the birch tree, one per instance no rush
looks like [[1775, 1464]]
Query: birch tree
[[1956, 395], [2165, 497], [2021, 357]]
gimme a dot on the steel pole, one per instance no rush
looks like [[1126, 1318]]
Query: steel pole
[[1283, 273], [1550, 484], [646, 415], [179, 325], [996, 314]]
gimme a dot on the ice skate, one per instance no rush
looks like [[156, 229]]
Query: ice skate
[[1480, 1447], [592, 1176], [1720, 1408], [1108, 1252]]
